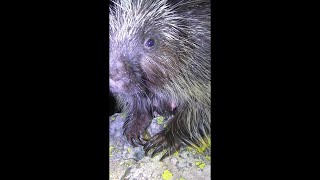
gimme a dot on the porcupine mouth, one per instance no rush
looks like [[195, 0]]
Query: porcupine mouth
[[118, 87], [122, 87]]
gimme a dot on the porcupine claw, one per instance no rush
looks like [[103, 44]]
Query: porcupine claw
[[159, 143], [152, 143], [139, 140], [157, 150], [170, 152], [133, 131], [131, 141], [134, 139]]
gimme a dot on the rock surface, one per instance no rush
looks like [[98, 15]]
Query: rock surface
[[129, 163]]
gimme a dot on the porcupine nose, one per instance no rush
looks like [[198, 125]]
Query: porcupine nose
[[119, 68], [120, 78], [115, 73]]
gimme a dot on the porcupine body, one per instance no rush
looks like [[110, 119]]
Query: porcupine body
[[160, 60]]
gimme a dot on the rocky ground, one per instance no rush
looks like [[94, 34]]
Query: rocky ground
[[129, 163]]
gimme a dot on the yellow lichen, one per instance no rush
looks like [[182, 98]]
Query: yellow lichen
[[166, 175], [176, 153], [160, 120], [110, 150], [146, 135], [200, 164], [129, 150]]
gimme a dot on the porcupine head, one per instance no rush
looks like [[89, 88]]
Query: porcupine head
[[160, 61]]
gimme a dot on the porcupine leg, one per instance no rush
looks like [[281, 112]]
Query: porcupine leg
[[138, 119]]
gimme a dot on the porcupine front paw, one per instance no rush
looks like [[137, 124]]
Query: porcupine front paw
[[133, 131], [162, 141]]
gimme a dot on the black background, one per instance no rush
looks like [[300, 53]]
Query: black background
[[56, 100]]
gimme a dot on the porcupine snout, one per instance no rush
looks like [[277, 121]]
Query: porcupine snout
[[124, 74]]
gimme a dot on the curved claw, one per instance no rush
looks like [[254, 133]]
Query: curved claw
[[171, 151], [147, 148], [160, 143], [134, 139], [156, 142], [139, 141], [165, 155], [132, 142], [158, 149]]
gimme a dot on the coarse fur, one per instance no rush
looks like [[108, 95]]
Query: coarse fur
[[172, 76]]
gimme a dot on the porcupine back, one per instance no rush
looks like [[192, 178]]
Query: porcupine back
[[174, 73]]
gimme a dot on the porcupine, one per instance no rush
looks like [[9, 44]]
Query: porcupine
[[160, 60]]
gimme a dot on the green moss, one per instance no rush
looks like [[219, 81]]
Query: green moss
[[129, 150], [113, 118], [166, 175]]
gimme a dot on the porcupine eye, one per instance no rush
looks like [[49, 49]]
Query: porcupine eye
[[149, 43]]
